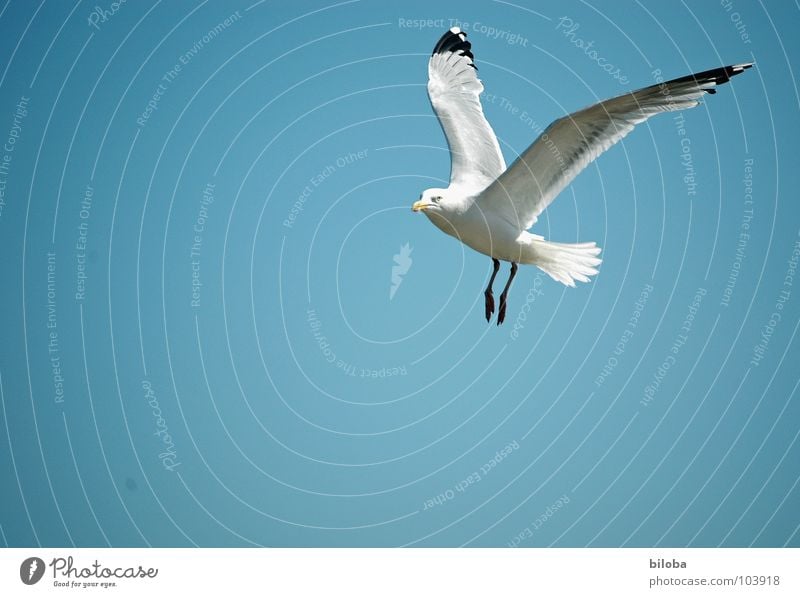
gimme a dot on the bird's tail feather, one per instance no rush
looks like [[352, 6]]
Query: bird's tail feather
[[563, 262]]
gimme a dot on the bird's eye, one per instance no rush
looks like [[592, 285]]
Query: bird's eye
[[436, 199]]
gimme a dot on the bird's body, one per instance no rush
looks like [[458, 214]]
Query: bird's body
[[487, 232], [483, 231], [490, 207]]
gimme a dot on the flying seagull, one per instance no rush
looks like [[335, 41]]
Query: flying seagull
[[490, 207]]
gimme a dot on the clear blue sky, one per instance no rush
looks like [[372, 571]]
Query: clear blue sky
[[201, 208]]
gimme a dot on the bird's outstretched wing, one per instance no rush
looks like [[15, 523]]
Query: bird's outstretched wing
[[454, 90], [571, 143]]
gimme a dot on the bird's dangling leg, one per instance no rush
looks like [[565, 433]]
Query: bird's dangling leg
[[488, 293], [501, 313]]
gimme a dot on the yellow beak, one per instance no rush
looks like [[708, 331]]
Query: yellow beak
[[419, 206]]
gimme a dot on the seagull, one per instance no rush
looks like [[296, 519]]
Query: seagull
[[489, 207]]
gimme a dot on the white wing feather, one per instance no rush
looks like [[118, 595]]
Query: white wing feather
[[571, 143], [454, 90]]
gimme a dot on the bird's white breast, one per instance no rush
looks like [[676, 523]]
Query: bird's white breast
[[483, 231]]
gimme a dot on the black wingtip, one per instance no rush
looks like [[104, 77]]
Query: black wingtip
[[455, 41], [735, 69], [718, 76]]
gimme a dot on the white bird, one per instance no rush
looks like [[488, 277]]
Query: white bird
[[490, 208]]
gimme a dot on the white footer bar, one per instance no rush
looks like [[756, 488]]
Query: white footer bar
[[390, 572]]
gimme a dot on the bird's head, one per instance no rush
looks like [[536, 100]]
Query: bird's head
[[431, 200]]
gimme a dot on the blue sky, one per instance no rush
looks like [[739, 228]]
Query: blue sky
[[223, 325]]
